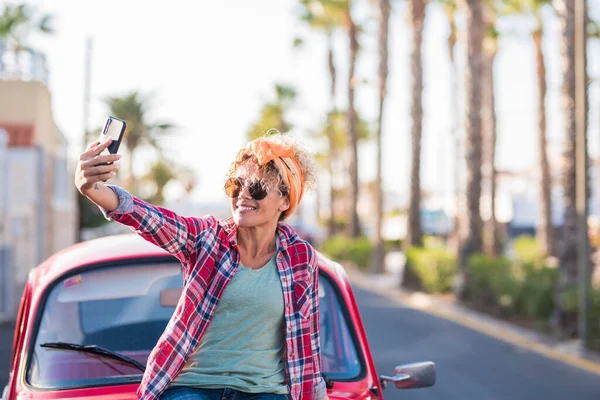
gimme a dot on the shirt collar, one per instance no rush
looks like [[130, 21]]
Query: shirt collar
[[286, 235]]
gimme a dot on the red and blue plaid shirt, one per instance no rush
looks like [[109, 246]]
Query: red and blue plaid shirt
[[207, 249]]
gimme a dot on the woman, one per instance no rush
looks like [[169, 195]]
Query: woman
[[247, 323]]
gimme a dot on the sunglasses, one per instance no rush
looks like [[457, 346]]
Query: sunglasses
[[234, 186]]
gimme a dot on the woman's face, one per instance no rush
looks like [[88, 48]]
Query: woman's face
[[248, 212]]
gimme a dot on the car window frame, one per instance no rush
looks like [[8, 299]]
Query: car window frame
[[26, 362], [351, 328]]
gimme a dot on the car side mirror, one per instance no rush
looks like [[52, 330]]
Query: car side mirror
[[411, 376]]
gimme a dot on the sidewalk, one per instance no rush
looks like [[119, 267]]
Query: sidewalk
[[570, 352]]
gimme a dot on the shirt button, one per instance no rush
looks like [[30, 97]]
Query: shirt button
[[292, 354], [289, 328]]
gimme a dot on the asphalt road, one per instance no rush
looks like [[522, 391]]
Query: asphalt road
[[470, 365]]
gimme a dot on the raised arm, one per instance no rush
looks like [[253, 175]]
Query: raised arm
[[164, 228]]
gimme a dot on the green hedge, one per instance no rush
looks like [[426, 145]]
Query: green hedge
[[527, 250], [521, 289], [343, 248], [429, 269], [489, 281]]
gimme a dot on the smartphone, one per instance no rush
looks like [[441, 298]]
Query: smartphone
[[115, 128]]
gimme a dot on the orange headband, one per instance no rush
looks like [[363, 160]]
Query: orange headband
[[287, 164]]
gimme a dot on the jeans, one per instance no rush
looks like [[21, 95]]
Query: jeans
[[185, 393]]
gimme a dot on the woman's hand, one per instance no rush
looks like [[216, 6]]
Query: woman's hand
[[89, 169]]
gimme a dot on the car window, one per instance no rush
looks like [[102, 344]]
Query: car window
[[117, 308], [125, 309], [339, 356]]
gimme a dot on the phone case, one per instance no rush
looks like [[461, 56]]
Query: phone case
[[114, 146]]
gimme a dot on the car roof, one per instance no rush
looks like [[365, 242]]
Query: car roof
[[120, 247]]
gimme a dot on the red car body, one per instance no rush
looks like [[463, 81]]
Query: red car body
[[94, 255]]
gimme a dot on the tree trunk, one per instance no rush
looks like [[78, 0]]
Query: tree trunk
[[384, 15], [454, 241], [493, 245], [473, 81], [564, 320], [417, 18], [354, 223], [545, 230], [330, 136], [130, 183]]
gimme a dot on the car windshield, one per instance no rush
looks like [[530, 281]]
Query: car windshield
[[125, 309]]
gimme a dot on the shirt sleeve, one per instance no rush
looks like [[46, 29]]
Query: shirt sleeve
[[176, 234]]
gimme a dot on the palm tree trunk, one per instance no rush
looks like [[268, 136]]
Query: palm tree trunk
[[130, 182], [417, 18], [455, 234], [354, 226], [330, 136], [384, 15], [493, 246], [473, 81], [564, 320], [545, 230]]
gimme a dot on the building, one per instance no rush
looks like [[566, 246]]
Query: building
[[38, 214]]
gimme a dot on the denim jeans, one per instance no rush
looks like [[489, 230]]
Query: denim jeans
[[185, 393]]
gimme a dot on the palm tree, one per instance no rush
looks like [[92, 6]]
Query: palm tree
[[354, 229], [493, 245], [134, 108], [17, 23], [273, 114], [450, 7], [335, 132], [564, 319], [327, 16], [417, 20], [473, 89], [159, 174], [545, 230], [384, 20]]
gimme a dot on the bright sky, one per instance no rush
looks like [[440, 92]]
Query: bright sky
[[211, 65]]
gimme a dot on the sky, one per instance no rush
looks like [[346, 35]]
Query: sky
[[211, 65]]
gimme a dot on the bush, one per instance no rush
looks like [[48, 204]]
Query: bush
[[490, 282], [520, 289], [536, 298], [343, 248], [594, 321], [527, 250], [431, 270]]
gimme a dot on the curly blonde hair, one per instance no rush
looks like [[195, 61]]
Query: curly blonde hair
[[268, 173]]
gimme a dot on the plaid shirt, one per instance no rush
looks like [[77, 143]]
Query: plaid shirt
[[207, 249]]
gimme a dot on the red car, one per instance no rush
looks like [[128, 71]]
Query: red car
[[91, 314]]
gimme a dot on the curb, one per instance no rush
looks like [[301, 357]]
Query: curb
[[567, 352]]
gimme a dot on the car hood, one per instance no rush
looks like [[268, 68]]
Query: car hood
[[125, 392]]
